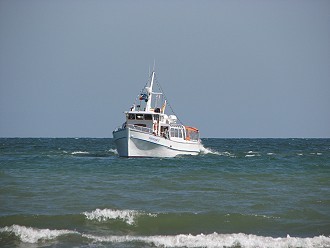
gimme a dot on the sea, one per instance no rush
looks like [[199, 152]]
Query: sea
[[77, 192]]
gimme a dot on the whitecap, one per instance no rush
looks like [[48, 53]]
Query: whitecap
[[227, 154], [33, 235], [216, 240], [127, 216], [79, 152], [252, 154]]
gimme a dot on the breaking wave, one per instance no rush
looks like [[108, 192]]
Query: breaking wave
[[128, 216], [33, 235], [216, 240], [79, 153], [252, 154]]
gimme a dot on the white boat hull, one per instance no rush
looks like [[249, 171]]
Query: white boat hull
[[135, 143]]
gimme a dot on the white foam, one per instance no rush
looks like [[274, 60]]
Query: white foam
[[252, 154], [113, 151], [227, 154], [33, 235], [217, 240], [205, 150], [79, 152], [128, 216]]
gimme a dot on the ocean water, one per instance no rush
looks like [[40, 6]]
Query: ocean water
[[237, 193]]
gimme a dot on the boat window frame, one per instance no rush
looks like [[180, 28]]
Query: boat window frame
[[148, 117], [130, 115], [180, 133], [177, 132], [156, 117], [139, 117]]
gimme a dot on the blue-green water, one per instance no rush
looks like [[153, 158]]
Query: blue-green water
[[238, 193]]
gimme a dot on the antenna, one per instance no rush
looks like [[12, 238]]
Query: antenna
[[154, 65]]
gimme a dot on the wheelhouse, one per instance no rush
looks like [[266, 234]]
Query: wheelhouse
[[150, 120]]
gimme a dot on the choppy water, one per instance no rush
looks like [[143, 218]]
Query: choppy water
[[238, 193]]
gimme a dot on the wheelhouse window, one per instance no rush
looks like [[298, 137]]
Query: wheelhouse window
[[131, 116], [176, 132], [148, 117], [139, 116], [180, 133]]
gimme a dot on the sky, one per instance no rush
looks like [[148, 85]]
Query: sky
[[234, 69]]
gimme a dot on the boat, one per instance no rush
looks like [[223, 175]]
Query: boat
[[149, 132]]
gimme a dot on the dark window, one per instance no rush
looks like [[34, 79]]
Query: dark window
[[148, 117], [131, 116]]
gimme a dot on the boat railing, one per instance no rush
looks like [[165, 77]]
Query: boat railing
[[139, 128]]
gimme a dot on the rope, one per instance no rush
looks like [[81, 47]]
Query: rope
[[161, 89], [167, 102]]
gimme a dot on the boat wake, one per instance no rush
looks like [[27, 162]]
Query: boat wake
[[113, 151], [205, 150], [208, 151]]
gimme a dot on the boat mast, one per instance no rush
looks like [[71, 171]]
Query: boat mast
[[149, 90]]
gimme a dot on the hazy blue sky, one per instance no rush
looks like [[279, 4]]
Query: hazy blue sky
[[70, 68]]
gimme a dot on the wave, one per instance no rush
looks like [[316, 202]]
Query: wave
[[79, 153], [128, 216], [216, 240], [251, 154], [34, 235], [170, 223]]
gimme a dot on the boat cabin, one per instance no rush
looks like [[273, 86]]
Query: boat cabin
[[160, 124]]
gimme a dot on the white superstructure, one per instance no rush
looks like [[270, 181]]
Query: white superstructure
[[149, 132]]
